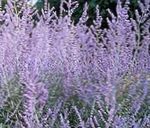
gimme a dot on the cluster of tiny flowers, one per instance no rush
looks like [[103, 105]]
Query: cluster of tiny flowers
[[90, 61]]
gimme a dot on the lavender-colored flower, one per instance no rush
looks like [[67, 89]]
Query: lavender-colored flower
[[89, 62]]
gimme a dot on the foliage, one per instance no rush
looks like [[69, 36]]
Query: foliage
[[103, 4], [58, 74]]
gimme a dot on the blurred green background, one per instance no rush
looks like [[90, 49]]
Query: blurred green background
[[103, 4]]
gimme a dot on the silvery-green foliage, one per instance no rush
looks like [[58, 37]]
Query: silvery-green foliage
[[84, 63]]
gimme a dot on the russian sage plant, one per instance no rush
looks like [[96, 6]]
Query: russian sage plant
[[64, 75]]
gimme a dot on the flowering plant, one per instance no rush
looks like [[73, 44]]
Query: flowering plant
[[51, 69]]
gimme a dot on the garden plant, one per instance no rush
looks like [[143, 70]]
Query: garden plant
[[59, 73]]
